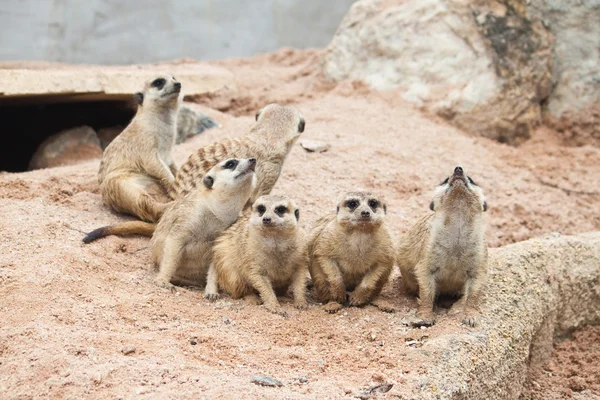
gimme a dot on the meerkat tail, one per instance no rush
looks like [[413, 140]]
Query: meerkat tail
[[122, 228]]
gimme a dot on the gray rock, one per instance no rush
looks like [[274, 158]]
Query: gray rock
[[191, 122], [266, 381], [68, 147], [481, 64]]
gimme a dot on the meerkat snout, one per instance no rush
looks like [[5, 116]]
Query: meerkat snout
[[458, 190], [458, 171], [361, 209]]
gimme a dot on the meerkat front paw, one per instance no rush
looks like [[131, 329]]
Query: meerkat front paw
[[424, 318], [356, 300], [211, 296], [301, 305], [470, 317], [276, 309], [165, 284], [253, 299], [332, 307]]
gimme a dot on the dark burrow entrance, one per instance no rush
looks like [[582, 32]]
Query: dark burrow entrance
[[28, 121]]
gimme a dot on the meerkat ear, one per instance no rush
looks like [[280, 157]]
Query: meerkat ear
[[301, 125], [139, 98], [484, 206], [431, 206], [297, 214], [208, 181]]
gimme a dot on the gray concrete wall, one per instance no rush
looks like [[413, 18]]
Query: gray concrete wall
[[128, 31]]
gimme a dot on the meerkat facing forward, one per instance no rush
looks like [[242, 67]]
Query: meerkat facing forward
[[137, 170], [270, 140], [264, 252], [183, 240], [351, 251], [446, 252]]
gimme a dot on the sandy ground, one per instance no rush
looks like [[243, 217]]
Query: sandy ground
[[573, 371], [69, 310]]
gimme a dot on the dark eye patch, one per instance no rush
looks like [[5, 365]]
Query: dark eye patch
[[297, 214], [352, 204], [445, 181], [261, 209], [231, 164], [471, 181], [301, 125], [158, 83], [373, 204], [280, 210]]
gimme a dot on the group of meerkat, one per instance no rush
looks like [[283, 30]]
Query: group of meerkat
[[215, 224]]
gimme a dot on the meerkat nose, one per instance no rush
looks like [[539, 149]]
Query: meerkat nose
[[266, 221], [458, 170], [252, 160], [365, 213], [177, 85]]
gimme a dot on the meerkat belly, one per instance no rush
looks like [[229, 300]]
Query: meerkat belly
[[357, 261], [452, 263]]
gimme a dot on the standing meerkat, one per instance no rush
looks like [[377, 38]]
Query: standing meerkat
[[351, 251], [137, 170], [183, 239], [263, 252], [270, 140], [446, 252]]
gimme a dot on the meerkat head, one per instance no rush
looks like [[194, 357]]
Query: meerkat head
[[458, 192], [230, 179], [280, 122], [162, 91], [361, 210], [276, 214]]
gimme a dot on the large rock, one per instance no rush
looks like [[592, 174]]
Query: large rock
[[486, 65], [68, 147]]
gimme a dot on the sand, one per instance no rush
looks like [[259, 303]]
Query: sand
[[70, 311]]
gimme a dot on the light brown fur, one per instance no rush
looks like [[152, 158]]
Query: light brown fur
[[349, 252], [262, 252], [269, 141], [137, 169], [446, 252], [183, 240]]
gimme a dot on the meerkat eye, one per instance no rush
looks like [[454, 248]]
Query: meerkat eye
[[231, 164], [301, 125], [158, 83], [280, 210], [261, 209], [352, 204], [445, 181], [297, 214], [373, 204]]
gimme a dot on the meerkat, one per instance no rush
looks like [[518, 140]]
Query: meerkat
[[137, 170], [351, 251], [270, 140], [183, 239], [445, 252], [262, 252]]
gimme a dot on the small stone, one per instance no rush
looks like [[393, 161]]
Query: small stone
[[226, 321], [193, 342], [266, 381], [303, 379], [315, 145], [128, 349], [577, 384], [191, 122]]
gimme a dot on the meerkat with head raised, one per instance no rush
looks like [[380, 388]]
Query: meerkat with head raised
[[137, 170], [183, 240], [446, 252], [263, 252], [270, 140], [351, 251]]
